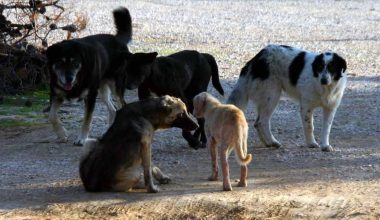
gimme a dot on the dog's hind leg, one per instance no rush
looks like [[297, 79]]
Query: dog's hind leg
[[89, 109], [307, 123], [214, 163], [328, 117], [160, 176], [224, 153], [105, 92], [129, 178], [55, 121], [266, 101]]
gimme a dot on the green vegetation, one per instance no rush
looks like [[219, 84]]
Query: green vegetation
[[25, 110], [10, 123]]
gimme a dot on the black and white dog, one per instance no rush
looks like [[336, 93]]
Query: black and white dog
[[314, 80], [81, 67]]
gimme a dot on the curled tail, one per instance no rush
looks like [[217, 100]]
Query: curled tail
[[123, 23], [241, 150], [214, 73]]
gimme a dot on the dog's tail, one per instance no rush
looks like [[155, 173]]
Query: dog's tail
[[214, 73], [123, 22], [240, 94], [241, 150]]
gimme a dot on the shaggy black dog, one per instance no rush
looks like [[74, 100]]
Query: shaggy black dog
[[184, 75], [81, 67]]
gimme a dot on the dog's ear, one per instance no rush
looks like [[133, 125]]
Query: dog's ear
[[167, 103], [318, 65], [51, 52], [339, 65], [199, 103]]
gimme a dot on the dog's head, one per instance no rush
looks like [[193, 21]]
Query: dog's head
[[175, 114], [66, 61], [138, 68], [200, 101], [328, 68]]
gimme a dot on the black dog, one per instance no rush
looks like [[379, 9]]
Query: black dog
[[184, 74], [81, 67], [115, 161]]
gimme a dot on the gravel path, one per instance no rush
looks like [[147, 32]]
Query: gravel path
[[39, 178]]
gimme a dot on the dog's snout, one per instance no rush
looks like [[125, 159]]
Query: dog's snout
[[186, 122], [324, 81], [69, 78]]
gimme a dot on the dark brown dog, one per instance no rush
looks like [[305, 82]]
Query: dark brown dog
[[116, 161]]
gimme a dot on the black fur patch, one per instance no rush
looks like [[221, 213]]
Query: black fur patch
[[296, 68], [259, 67], [318, 65], [337, 66], [287, 47]]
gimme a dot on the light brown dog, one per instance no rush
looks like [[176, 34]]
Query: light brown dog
[[224, 125]]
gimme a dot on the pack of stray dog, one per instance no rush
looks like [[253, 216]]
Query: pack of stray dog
[[172, 88]]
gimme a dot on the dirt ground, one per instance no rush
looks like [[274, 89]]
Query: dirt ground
[[39, 177]]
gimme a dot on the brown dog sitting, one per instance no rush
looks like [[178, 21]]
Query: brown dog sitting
[[224, 125], [116, 161]]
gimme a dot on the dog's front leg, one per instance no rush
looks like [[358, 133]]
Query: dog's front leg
[[106, 97], [55, 121], [146, 162], [308, 127], [89, 109], [328, 117]]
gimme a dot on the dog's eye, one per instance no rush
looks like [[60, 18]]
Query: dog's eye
[[331, 68]]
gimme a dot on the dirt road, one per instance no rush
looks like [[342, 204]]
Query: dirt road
[[39, 178]]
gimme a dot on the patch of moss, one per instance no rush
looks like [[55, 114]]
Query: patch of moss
[[10, 123], [26, 115]]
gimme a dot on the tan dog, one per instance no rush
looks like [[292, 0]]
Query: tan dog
[[224, 125]]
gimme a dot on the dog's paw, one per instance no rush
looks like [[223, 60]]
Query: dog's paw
[[199, 145], [79, 142], [313, 145], [242, 184], [153, 189], [227, 188], [327, 148], [274, 144], [62, 139], [164, 180], [213, 177]]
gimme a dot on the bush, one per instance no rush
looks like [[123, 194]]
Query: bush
[[25, 30]]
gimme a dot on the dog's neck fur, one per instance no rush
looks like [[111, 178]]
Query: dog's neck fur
[[145, 110], [211, 103]]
